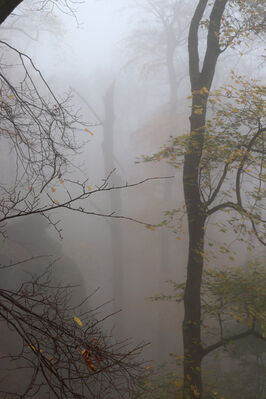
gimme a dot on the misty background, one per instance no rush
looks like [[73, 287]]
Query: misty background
[[90, 55]]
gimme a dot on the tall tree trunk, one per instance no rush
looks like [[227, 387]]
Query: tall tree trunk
[[192, 303], [201, 81], [115, 202]]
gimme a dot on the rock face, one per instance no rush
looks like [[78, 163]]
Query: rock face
[[27, 238]]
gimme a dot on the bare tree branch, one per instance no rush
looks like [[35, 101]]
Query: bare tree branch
[[64, 347], [226, 341]]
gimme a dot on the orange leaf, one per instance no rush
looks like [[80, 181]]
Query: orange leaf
[[86, 354]]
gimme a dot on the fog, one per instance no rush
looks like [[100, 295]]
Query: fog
[[125, 260]]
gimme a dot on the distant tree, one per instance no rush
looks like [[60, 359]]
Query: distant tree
[[156, 46], [60, 347], [154, 43], [38, 130], [110, 164]]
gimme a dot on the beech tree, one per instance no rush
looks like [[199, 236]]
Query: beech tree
[[221, 34], [222, 157]]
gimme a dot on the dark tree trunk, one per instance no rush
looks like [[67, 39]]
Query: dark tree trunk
[[6, 8], [196, 210], [196, 221]]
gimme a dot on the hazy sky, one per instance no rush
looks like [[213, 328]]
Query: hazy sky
[[90, 45]]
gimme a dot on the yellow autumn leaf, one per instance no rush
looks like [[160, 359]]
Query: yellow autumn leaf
[[53, 189], [198, 111], [88, 188], [150, 227], [78, 321], [178, 383], [195, 390], [179, 238], [56, 202], [34, 349], [61, 181], [87, 130], [205, 90], [11, 96]]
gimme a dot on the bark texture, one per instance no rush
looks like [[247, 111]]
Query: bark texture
[[195, 206]]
